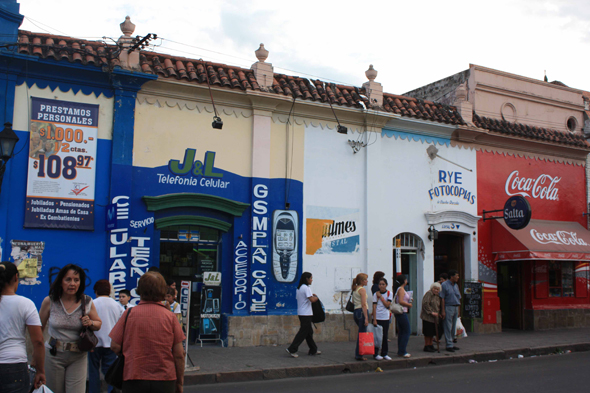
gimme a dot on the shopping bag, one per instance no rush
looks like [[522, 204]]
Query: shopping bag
[[377, 334], [42, 389], [366, 344], [460, 329]]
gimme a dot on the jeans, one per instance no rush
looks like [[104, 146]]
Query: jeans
[[384, 346], [450, 323], [100, 355], [14, 378], [305, 333], [359, 318], [403, 324]]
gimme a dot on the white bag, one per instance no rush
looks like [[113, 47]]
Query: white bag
[[460, 329], [377, 334], [43, 389]]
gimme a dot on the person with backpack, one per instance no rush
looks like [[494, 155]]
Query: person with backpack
[[304, 300], [382, 317]]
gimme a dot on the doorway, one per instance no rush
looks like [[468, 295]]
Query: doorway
[[509, 292], [409, 245], [186, 252], [448, 254]]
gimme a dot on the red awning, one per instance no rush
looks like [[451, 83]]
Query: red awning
[[541, 239]]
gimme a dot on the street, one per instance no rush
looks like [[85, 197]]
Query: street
[[556, 373]]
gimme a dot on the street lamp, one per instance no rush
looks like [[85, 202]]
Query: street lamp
[[8, 140]]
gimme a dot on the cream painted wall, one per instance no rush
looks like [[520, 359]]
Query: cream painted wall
[[164, 132], [282, 148], [22, 106]]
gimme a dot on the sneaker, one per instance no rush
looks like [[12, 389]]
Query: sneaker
[[293, 355], [450, 349], [317, 353], [378, 357], [407, 355], [456, 348], [386, 357]]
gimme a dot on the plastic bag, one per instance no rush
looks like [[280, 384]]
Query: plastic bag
[[460, 329], [366, 344], [377, 334], [43, 389]]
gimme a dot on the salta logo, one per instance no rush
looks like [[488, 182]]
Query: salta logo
[[543, 187]]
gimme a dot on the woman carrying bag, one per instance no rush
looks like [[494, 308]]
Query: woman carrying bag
[[304, 300], [381, 316], [361, 317], [403, 324]]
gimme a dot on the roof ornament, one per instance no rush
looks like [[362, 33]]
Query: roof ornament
[[261, 53], [461, 92], [371, 73], [127, 28]]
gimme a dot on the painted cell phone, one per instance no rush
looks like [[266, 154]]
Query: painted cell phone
[[285, 242]]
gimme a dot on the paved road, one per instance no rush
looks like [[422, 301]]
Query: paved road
[[556, 373]]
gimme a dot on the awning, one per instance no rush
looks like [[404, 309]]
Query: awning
[[541, 240]]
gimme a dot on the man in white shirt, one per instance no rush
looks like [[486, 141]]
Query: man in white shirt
[[102, 357]]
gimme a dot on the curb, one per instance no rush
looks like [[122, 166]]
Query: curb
[[196, 378]]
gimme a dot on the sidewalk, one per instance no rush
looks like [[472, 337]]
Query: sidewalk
[[237, 364]]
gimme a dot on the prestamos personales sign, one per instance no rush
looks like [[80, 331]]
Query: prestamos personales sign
[[62, 165]]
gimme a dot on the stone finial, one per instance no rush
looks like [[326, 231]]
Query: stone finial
[[127, 27], [371, 73], [261, 53], [461, 92]]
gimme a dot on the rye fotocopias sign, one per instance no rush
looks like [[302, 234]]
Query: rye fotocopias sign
[[62, 165]]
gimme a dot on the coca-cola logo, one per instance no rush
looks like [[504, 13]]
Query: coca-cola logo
[[543, 187], [558, 237]]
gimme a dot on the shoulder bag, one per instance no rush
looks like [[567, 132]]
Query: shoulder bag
[[350, 303], [114, 375], [88, 339], [394, 307]]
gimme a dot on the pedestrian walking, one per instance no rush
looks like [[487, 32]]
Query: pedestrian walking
[[382, 317], [451, 300], [102, 357], [152, 346], [19, 314], [305, 313], [361, 313], [431, 310], [65, 365], [403, 324]]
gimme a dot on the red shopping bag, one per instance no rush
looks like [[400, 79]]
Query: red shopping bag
[[366, 344]]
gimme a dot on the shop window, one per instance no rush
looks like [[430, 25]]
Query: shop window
[[561, 279]]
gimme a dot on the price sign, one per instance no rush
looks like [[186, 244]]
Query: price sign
[[472, 300], [62, 165]]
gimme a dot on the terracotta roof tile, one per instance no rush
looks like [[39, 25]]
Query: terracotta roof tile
[[530, 132]]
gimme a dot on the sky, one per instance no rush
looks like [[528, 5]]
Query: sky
[[410, 43]]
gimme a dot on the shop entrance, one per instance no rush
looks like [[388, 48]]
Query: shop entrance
[[509, 284], [449, 254], [409, 246], [186, 252]]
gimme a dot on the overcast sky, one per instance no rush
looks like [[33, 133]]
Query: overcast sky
[[410, 43]]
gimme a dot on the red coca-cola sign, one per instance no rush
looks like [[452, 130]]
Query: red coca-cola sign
[[555, 191]]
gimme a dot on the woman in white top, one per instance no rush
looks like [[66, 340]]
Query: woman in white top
[[305, 313], [381, 316], [66, 366], [18, 314]]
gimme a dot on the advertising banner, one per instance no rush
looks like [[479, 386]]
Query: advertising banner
[[62, 165], [211, 310]]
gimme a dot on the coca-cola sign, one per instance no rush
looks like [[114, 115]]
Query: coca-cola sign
[[543, 187], [568, 238]]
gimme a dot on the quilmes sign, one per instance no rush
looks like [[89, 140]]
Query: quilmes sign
[[517, 212], [191, 172]]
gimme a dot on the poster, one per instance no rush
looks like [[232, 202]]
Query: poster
[[211, 310], [62, 165], [28, 258]]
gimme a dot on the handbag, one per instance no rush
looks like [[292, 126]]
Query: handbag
[[114, 375], [394, 307], [319, 315], [88, 339], [350, 304], [366, 344]]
